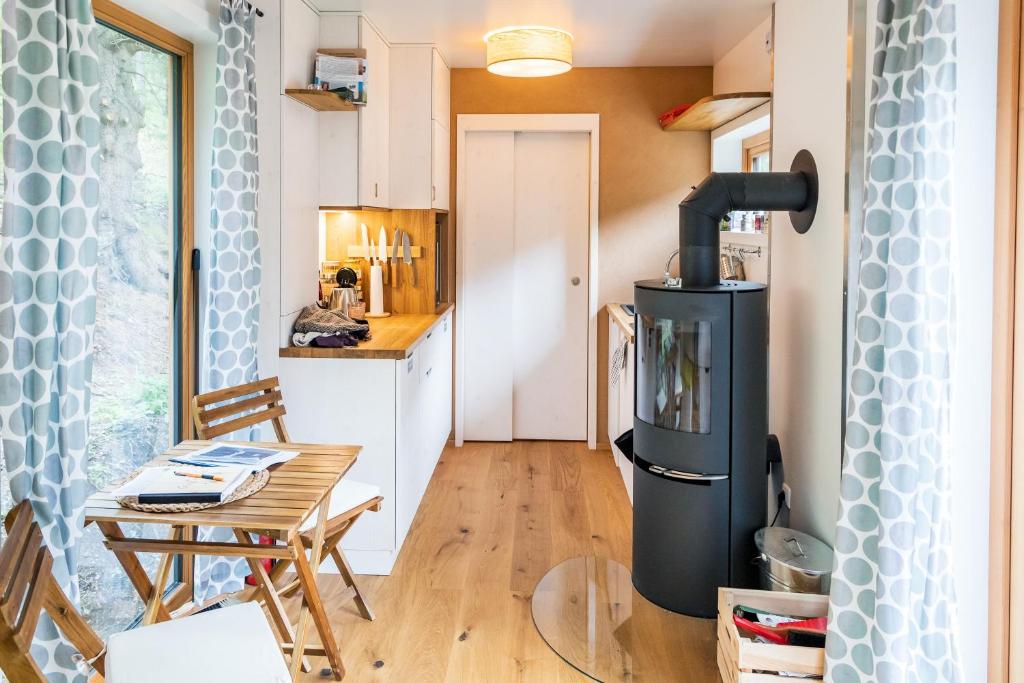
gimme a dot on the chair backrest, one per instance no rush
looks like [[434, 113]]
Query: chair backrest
[[227, 410], [27, 587]]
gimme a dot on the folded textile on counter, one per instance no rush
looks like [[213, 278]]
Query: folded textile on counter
[[320, 327]]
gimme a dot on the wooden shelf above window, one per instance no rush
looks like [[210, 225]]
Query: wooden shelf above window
[[714, 111], [320, 100]]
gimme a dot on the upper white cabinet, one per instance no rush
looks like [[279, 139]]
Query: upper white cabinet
[[375, 120], [420, 112], [354, 147], [392, 152], [440, 165], [441, 90]]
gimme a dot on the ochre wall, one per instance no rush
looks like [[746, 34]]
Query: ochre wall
[[644, 171]]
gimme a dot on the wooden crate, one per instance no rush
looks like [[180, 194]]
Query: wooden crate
[[739, 658]]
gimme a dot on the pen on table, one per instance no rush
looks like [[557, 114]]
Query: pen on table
[[194, 475]]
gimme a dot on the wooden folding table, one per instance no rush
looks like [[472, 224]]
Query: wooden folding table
[[297, 489]]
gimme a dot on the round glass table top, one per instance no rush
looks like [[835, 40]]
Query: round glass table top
[[588, 612]]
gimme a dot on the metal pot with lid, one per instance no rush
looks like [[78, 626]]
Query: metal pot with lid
[[792, 561]]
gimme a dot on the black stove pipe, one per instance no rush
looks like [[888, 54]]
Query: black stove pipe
[[701, 213]]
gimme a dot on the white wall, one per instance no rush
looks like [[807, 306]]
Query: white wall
[[806, 295], [747, 67], [268, 88]]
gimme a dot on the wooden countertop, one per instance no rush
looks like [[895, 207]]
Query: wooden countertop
[[394, 338], [622, 319]]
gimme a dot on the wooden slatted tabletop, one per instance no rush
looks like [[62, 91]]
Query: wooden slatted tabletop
[[293, 493]]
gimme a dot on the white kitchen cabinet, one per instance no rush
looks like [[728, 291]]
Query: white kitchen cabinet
[[441, 163], [620, 395], [420, 112], [354, 147], [441, 89], [399, 411], [374, 120]]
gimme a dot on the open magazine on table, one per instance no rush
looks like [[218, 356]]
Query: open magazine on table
[[252, 457]]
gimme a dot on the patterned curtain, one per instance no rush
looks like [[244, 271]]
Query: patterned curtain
[[892, 605], [233, 306], [47, 275]]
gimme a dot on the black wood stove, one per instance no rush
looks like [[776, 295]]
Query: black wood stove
[[701, 421]]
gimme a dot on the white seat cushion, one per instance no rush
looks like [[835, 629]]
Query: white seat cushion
[[229, 644], [345, 496]]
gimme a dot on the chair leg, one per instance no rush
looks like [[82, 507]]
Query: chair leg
[[350, 580]]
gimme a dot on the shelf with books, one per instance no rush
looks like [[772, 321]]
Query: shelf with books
[[320, 100]]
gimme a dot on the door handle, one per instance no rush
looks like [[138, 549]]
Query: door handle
[[575, 281], [685, 476]]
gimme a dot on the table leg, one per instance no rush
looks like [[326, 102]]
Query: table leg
[[133, 568], [312, 605], [265, 586], [163, 572]]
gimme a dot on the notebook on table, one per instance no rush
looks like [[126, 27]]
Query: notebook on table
[[227, 454], [179, 484]]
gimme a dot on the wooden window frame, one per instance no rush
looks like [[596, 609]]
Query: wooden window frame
[[139, 27], [754, 146], [1006, 522]]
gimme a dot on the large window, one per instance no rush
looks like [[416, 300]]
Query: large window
[[142, 370]]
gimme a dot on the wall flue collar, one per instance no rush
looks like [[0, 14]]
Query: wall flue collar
[[803, 163], [702, 211]]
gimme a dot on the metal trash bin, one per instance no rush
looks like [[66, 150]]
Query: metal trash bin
[[793, 562]]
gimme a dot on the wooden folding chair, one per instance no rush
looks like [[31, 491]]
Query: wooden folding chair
[[227, 410], [234, 643]]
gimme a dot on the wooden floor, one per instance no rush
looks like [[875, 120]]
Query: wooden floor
[[495, 518]]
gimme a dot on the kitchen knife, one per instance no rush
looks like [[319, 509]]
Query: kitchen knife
[[394, 258], [382, 255], [407, 256], [366, 243]]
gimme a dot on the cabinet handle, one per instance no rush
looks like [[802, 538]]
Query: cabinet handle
[[375, 189], [429, 371], [433, 193]]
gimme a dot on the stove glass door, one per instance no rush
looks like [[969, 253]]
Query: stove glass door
[[674, 374]]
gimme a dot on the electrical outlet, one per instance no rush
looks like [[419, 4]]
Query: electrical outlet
[[788, 493]]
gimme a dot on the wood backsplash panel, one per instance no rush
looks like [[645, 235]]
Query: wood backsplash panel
[[343, 229], [407, 297]]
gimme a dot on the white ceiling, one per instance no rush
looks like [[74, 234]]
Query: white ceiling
[[607, 32]]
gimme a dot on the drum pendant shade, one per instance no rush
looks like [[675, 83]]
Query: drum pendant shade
[[528, 51]]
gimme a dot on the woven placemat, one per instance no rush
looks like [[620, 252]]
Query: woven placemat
[[255, 482]]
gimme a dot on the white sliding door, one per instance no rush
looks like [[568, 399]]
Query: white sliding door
[[552, 194], [525, 278], [487, 295]]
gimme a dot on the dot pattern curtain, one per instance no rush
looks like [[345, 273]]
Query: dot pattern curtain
[[233, 307], [892, 613], [48, 263]]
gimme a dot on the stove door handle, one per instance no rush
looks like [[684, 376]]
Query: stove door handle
[[686, 476]]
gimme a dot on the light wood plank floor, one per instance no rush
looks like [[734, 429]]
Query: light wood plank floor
[[494, 519]]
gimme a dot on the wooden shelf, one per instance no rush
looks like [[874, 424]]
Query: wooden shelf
[[717, 110], [320, 100]]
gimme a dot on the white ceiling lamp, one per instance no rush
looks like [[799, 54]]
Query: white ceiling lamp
[[528, 51]]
